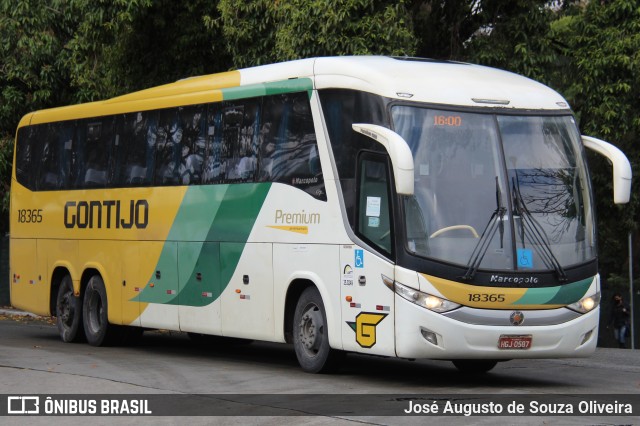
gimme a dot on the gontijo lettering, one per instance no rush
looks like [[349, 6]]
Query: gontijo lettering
[[106, 214]]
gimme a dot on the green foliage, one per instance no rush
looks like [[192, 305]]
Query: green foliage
[[259, 31], [94, 48], [443, 27], [605, 90], [32, 70], [123, 46], [33, 74], [514, 35], [168, 41], [6, 159]]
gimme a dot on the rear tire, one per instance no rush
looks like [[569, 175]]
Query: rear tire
[[474, 366], [311, 337], [69, 313], [95, 319]]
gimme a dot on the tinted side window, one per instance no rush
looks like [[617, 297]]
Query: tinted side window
[[25, 152], [193, 122], [374, 213], [212, 170], [341, 109], [51, 172], [168, 154], [262, 139], [136, 149], [98, 141], [289, 152], [240, 129], [55, 153]]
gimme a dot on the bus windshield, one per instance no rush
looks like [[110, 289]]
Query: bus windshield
[[498, 192]]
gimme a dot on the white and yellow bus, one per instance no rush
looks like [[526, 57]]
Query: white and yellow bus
[[390, 206]]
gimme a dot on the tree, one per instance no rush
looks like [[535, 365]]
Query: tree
[[605, 91], [515, 35], [260, 31], [123, 46], [443, 27], [33, 73], [94, 48]]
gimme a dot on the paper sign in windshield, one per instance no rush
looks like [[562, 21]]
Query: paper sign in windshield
[[373, 207]]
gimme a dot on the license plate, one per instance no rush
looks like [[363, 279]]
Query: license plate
[[521, 342]]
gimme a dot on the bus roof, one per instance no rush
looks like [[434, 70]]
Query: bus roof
[[421, 80], [438, 82]]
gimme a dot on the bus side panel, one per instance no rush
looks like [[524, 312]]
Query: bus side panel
[[200, 287], [318, 264], [132, 281], [26, 289], [368, 315], [247, 301], [162, 290], [44, 273]]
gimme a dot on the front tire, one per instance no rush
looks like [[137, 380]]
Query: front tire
[[310, 335], [95, 319], [69, 312]]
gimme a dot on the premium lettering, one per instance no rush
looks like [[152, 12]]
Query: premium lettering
[[106, 214], [301, 218]]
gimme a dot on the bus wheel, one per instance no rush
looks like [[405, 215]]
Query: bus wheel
[[96, 324], [474, 366], [68, 312], [310, 335]]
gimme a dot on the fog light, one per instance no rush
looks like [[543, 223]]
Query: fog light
[[586, 337], [429, 336]]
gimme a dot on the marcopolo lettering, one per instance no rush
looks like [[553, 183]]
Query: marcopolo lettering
[[504, 279], [106, 214]]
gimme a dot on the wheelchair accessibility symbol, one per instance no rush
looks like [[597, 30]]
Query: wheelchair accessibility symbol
[[359, 258], [525, 258]]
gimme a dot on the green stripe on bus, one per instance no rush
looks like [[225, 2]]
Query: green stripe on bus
[[559, 295], [537, 296], [571, 293], [263, 89], [230, 212]]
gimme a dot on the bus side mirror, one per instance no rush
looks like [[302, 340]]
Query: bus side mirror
[[621, 167], [399, 152]]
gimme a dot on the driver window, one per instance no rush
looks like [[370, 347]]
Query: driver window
[[374, 216]]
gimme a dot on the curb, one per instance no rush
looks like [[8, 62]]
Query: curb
[[17, 312]]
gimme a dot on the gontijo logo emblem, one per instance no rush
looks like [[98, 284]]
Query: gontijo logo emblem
[[365, 328]]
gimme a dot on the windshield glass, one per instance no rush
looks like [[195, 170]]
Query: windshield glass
[[496, 192]]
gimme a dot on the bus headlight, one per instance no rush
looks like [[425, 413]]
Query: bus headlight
[[429, 301], [586, 304]]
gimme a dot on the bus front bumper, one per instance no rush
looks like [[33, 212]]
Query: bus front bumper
[[421, 333]]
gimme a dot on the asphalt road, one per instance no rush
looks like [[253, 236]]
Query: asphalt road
[[33, 360]]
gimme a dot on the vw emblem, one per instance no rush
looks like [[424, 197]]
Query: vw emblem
[[516, 318]]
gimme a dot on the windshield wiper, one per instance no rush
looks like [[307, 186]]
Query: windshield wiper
[[496, 221], [530, 228]]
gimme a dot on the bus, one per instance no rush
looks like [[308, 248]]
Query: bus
[[391, 206]]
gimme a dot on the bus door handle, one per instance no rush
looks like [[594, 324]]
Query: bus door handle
[[362, 280]]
